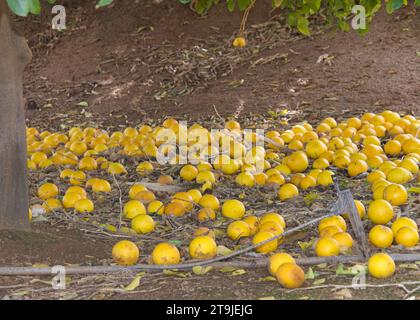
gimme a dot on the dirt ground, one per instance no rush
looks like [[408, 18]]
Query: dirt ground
[[140, 62]]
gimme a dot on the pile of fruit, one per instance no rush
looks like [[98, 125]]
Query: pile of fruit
[[381, 149]]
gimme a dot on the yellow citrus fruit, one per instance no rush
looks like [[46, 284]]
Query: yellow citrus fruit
[[205, 176], [357, 167], [410, 164], [237, 230], [195, 195], [125, 253], [307, 182], [395, 194], [381, 236], [277, 259], [185, 199], [288, 191], [203, 247], [165, 180], [344, 239], [156, 206], [165, 254], [245, 179], [380, 211], [175, 209], [271, 226], [209, 201], [52, 204], [392, 148], [47, 190], [326, 247], [206, 214], [203, 231], [315, 148], [267, 247], [381, 266], [399, 175], [134, 189], [290, 275], [143, 223], [297, 161], [144, 168], [233, 209], [77, 189], [407, 236], [325, 178], [133, 208], [188, 172], [84, 205], [337, 221], [101, 185], [115, 168], [273, 216], [375, 175], [145, 196], [329, 231], [70, 199], [253, 224], [403, 222], [239, 42]]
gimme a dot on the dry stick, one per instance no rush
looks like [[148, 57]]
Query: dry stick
[[146, 267], [120, 201], [27, 271]]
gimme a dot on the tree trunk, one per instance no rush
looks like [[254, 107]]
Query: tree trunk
[[14, 56]]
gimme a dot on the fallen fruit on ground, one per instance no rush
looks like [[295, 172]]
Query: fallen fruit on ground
[[380, 212], [290, 275], [407, 236], [327, 247], [381, 236], [166, 254], [233, 209], [381, 266], [203, 247], [276, 260], [125, 253]]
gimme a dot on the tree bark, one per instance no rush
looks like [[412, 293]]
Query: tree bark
[[14, 56]]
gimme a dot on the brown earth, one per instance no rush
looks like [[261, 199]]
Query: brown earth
[[116, 62]]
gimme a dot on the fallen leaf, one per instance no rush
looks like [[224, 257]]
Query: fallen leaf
[[319, 281], [135, 283], [238, 272], [223, 251], [200, 270]]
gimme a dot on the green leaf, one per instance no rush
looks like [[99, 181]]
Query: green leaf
[[292, 19], [393, 5], [303, 26], [243, 4], [314, 5], [103, 3], [35, 7], [83, 104], [199, 270], [277, 3], [20, 7], [184, 1], [230, 5], [227, 269], [417, 2]]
